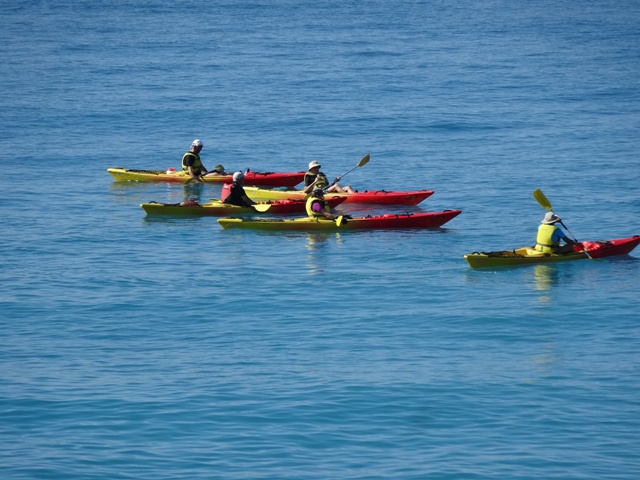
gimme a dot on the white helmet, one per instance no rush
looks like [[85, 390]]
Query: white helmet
[[238, 176], [197, 143]]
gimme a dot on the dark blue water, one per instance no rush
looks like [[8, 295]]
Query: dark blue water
[[166, 348]]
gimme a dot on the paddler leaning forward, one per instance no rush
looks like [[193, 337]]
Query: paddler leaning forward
[[317, 206]]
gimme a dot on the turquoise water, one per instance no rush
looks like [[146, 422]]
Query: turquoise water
[[136, 347]]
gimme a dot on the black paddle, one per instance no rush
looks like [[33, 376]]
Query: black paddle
[[363, 161]]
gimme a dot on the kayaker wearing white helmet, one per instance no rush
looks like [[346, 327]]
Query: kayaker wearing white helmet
[[317, 206], [237, 195], [192, 164], [550, 235], [314, 178]]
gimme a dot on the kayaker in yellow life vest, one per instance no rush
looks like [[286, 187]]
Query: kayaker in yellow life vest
[[550, 235], [192, 164], [314, 178], [317, 206]]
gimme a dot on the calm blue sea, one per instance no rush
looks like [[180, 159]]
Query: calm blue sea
[[169, 348]]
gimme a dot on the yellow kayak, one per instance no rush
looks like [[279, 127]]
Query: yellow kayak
[[528, 255], [274, 179], [218, 208]]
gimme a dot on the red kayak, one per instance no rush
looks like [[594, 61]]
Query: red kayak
[[379, 197]]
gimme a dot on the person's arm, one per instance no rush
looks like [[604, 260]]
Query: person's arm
[[243, 195], [560, 235], [191, 174], [308, 185]]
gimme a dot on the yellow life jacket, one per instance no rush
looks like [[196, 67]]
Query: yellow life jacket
[[544, 240], [197, 164], [322, 179], [310, 201]]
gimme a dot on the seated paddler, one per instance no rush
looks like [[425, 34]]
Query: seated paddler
[[314, 178], [317, 206], [550, 235], [192, 163], [237, 195]]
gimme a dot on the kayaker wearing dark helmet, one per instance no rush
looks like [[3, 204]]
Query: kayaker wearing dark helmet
[[550, 235], [237, 195], [314, 178], [317, 206]]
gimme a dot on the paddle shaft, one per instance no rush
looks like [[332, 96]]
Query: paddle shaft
[[568, 231], [363, 161]]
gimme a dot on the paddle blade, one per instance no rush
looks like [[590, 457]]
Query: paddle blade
[[364, 160], [339, 220], [262, 207], [542, 199]]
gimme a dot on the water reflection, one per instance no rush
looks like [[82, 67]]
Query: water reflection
[[191, 192], [318, 254], [140, 192], [547, 360], [545, 277]]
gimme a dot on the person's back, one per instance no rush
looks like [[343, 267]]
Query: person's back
[[317, 206], [236, 192], [549, 236], [237, 195]]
